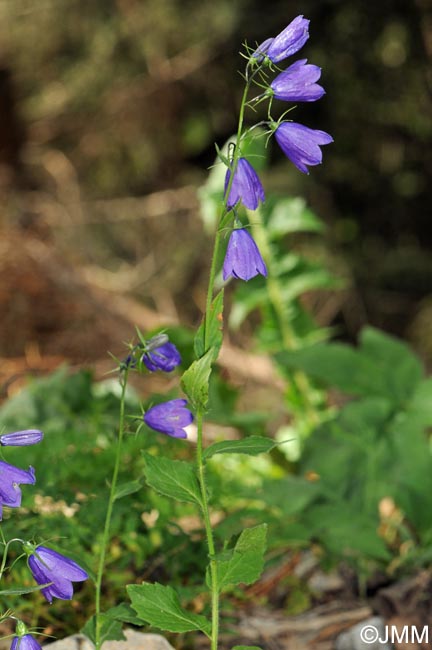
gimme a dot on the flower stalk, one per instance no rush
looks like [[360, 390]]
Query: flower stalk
[[108, 517]]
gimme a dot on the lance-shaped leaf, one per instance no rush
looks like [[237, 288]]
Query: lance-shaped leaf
[[252, 446], [172, 478], [244, 564], [214, 323], [195, 380], [160, 606]]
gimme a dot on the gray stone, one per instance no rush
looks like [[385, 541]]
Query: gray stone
[[364, 636], [134, 641]]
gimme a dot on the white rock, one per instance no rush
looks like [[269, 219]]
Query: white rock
[[134, 641]]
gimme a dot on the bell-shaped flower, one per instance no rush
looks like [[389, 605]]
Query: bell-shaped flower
[[246, 186], [10, 479], [297, 83], [242, 259], [25, 642], [48, 566], [301, 144], [166, 358], [289, 41], [169, 418], [21, 438]]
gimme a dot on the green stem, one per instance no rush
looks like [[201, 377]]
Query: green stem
[[209, 533], [224, 219], [106, 532]]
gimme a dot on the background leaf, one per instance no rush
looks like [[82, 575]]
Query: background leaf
[[111, 629], [160, 606], [252, 446], [172, 478]]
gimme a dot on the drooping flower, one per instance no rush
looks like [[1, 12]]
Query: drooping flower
[[246, 186], [48, 566], [297, 83], [166, 358], [289, 41], [301, 144], [21, 438], [10, 479], [25, 642], [170, 418], [243, 259]]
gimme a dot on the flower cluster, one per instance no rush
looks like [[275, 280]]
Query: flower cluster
[[298, 83], [49, 568], [158, 353]]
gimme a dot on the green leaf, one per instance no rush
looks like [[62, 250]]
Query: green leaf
[[252, 446], [215, 332], [336, 365], [160, 606], [125, 613], [111, 630], [195, 381], [172, 478], [127, 488], [244, 564]]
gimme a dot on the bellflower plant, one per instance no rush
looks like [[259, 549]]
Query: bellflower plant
[[245, 187], [170, 418], [301, 144], [285, 44], [25, 642], [297, 83], [165, 358], [243, 560], [243, 259], [10, 479], [21, 438], [48, 566]]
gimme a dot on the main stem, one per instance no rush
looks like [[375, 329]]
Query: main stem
[[209, 533], [106, 532], [199, 415]]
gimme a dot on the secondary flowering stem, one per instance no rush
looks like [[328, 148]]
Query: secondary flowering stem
[[111, 499]]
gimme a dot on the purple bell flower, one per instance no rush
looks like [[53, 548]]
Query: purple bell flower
[[169, 418], [47, 566], [10, 479], [243, 259], [246, 186], [166, 358], [25, 642], [297, 83], [21, 438], [289, 41], [301, 144]]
